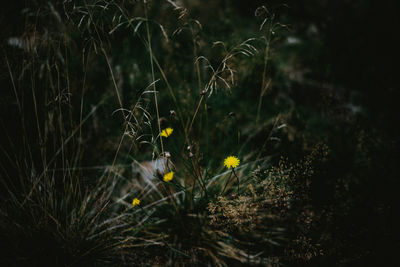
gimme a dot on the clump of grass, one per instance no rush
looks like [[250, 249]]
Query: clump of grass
[[43, 224], [52, 211]]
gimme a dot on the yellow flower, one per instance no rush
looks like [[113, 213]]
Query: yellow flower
[[135, 202], [167, 132], [168, 176], [231, 162]]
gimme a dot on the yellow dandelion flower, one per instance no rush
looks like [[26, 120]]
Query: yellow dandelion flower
[[231, 162], [168, 176], [167, 132], [135, 202]]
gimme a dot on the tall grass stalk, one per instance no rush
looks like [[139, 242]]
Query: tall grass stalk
[[152, 74]]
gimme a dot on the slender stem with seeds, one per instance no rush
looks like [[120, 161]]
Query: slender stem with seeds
[[152, 76], [264, 86], [196, 61], [195, 114], [114, 82]]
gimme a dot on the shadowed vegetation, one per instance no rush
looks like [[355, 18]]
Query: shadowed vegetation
[[198, 133]]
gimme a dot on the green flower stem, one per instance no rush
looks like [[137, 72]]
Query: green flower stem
[[229, 178], [233, 170]]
